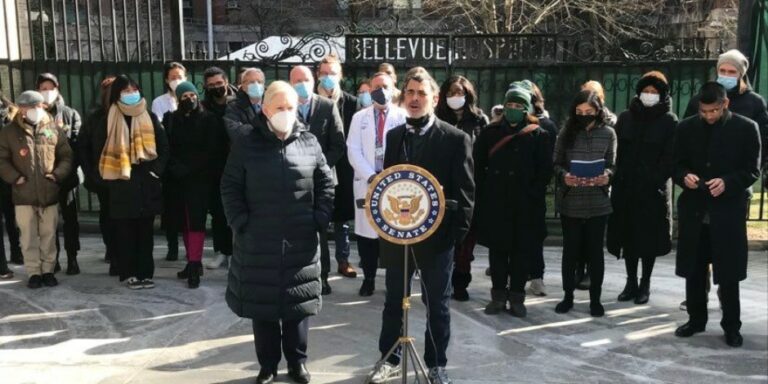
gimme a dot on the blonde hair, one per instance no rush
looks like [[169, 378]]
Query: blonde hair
[[596, 87], [277, 87]]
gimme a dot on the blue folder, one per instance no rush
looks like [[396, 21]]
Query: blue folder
[[587, 169]]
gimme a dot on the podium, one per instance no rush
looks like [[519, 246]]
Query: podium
[[405, 205]]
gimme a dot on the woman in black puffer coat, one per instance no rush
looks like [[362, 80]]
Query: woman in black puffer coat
[[640, 227], [277, 192]]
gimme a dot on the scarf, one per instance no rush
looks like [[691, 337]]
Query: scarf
[[125, 147]]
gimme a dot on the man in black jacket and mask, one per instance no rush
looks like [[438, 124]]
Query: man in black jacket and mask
[[218, 93], [717, 156], [446, 152]]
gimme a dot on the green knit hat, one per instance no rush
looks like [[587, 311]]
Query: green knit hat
[[184, 87], [518, 94]]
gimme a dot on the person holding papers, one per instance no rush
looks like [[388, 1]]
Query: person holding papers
[[585, 152]]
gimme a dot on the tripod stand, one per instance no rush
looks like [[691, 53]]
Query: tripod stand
[[405, 342]]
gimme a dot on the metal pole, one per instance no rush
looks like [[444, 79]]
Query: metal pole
[[406, 307], [209, 9]]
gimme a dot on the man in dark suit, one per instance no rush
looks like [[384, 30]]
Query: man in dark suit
[[717, 156], [322, 117], [446, 152], [329, 77]]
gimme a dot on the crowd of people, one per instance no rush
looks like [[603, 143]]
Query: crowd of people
[[277, 165]]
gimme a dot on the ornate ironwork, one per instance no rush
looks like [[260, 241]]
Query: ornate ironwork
[[309, 48]]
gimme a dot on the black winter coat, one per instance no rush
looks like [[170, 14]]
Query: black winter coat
[[731, 153], [344, 200], [276, 195], [239, 116], [142, 195], [447, 155], [192, 140], [511, 187], [641, 189], [88, 153], [470, 124], [68, 120]]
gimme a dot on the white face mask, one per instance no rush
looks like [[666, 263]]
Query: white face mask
[[50, 96], [34, 115], [456, 102], [282, 122], [175, 83], [649, 99]]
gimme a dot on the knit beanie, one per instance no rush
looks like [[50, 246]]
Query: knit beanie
[[735, 58], [518, 94], [184, 87]]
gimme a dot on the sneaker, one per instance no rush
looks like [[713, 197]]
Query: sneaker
[[147, 284], [438, 375], [6, 274], [383, 372], [219, 261], [537, 287], [133, 283]]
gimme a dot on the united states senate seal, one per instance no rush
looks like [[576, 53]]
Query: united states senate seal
[[405, 204]]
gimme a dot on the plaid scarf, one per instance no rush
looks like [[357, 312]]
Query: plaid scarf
[[125, 147]]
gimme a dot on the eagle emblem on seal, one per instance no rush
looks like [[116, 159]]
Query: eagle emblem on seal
[[404, 210]]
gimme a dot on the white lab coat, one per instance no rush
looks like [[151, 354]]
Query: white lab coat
[[361, 151]]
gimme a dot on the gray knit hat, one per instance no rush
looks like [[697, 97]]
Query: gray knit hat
[[29, 99], [735, 58]]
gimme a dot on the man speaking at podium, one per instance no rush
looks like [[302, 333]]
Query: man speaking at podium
[[444, 151]]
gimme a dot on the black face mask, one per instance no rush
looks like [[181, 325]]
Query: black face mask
[[417, 122], [217, 92], [584, 121], [188, 105]]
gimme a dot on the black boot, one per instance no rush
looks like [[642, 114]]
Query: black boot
[[565, 305], [630, 290], [184, 273], [460, 283], [326, 290], [173, 253], [369, 285], [595, 307], [16, 256], [498, 302], [644, 292], [193, 280], [517, 304], [72, 267]]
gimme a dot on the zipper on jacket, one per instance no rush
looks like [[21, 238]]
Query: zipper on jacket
[[285, 244]]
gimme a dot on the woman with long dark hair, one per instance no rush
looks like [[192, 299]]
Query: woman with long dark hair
[[89, 160], [583, 201], [457, 105], [640, 227], [134, 152], [513, 166]]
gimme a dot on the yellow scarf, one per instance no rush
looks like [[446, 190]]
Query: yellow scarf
[[124, 147]]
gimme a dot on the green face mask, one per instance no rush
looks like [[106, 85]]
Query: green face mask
[[514, 116]]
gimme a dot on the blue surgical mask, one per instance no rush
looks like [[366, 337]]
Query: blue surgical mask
[[130, 98], [728, 82], [255, 90], [382, 96], [303, 90], [329, 82], [364, 99]]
